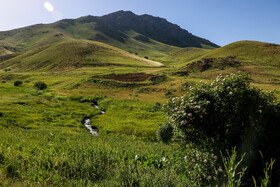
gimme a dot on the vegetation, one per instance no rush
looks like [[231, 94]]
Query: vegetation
[[220, 115], [17, 83], [40, 85], [165, 133], [43, 140]]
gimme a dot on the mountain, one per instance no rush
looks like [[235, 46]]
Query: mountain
[[144, 35], [155, 28]]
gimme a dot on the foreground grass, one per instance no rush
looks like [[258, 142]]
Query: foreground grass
[[57, 156]]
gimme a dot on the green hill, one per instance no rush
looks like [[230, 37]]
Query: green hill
[[74, 54], [249, 52]]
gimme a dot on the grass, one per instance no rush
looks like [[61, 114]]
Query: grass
[[52, 156]]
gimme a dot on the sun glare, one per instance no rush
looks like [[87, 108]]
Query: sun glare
[[49, 6]]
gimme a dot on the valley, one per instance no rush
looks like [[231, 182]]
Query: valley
[[129, 70]]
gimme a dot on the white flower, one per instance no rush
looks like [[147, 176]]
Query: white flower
[[136, 157], [230, 93]]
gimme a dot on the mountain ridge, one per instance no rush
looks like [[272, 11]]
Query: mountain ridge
[[114, 29]]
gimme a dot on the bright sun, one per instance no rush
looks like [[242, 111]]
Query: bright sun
[[48, 6]]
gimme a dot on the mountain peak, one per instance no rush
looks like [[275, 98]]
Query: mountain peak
[[155, 28]]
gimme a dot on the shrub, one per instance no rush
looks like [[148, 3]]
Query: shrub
[[226, 113], [165, 133], [17, 83], [40, 85], [222, 112]]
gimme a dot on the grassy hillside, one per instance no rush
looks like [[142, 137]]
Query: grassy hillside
[[74, 54], [6, 49], [182, 56], [249, 52]]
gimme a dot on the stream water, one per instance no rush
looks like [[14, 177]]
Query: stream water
[[86, 122], [91, 130]]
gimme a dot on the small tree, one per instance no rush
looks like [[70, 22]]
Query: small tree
[[40, 85], [17, 83]]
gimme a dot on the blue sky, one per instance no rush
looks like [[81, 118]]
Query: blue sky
[[220, 21]]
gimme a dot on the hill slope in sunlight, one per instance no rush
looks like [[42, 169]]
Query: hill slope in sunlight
[[74, 54]]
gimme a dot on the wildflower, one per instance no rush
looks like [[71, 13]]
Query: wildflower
[[260, 111], [186, 158], [205, 160], [215, 157], [198, 175], [189, 172], [260, 106], [230, 93], [163, 159], [220, 170], [205, 113], [201, 116], [209, 177], [197, 155], [193, 160], [136, 157], [190, 114]]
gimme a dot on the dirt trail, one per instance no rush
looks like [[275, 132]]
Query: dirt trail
[[147, 61]]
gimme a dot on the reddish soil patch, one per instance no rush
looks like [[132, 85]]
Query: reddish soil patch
[[129, 77]]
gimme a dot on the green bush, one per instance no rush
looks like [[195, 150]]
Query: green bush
[[229, 112], [222, 112], [40, 85], [17, 83], [165, 133]]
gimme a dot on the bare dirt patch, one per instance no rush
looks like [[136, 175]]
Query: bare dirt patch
[[129, 77]]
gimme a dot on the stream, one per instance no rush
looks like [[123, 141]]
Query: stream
[[93, 130]]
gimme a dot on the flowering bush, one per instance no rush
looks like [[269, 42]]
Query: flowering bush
[[202, 167], [222, 112]]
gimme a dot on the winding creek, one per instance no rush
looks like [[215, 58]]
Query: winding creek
[[86, 122]]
